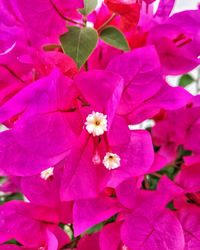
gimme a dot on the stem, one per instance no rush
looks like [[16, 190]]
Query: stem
[[62, 16], [146, 182], [84, 21], [157, 175], [72, 244], [106, 22]]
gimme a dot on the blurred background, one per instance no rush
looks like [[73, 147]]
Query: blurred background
[[180, 4], [185, 5]]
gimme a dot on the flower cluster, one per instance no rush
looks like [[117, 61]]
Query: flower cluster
[[75, 173]]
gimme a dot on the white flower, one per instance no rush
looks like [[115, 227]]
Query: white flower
[[46, 173], [111, 161], [96, 123]]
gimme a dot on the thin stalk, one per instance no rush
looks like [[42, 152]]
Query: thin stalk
[[106, 22], [146, 182], [62, 16]]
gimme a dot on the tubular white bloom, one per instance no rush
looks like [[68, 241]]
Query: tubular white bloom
[[96, 123], [111, 161], [46, 173], [124, 247], [96, 159]]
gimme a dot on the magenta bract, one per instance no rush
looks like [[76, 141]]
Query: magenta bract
[[98, 151]]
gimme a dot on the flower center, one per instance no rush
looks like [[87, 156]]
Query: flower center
[[46, 173], [111, 161], [96, 123]]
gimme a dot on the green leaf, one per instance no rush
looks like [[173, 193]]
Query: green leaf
[[114, 37], [89, 6], [169, 170], [51, 47], [79, 43], [153, 182], [170, 205], [95, 228], [13, 241], [10, 197], [185, 80]]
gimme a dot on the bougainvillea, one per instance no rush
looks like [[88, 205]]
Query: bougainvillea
[[76, 77]]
